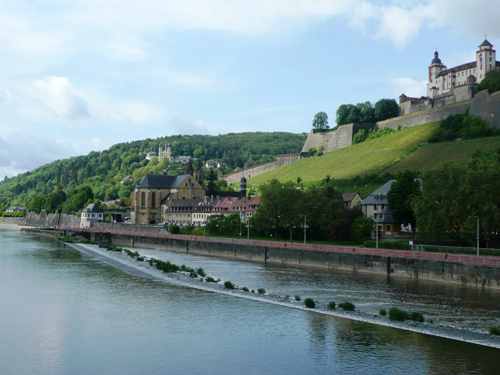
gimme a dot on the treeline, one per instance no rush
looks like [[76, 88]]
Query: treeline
[[366, 113], [446, 205], [454, 198], [111, 174], [287, 207]]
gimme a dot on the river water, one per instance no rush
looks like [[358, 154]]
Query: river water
[[65, 313]]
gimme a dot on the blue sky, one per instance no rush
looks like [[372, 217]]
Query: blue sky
[[82, 75]]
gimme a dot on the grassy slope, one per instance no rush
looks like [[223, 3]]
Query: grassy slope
[[372, 156], [403, 150], [436, 155]]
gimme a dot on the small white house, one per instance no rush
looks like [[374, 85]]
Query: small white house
[[90, 215]]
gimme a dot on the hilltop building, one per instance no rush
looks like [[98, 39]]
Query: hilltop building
[[442, 80], [154, 190], [452, 85]]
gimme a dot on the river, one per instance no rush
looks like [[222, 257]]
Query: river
[[65, 313]]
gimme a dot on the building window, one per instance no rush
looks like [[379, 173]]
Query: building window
[[153, 199], [143, 199]]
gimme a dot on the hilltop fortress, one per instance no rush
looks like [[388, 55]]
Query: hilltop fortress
[[450, 91]]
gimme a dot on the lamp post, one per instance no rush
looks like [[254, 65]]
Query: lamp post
[[305, 229], [477, 236]]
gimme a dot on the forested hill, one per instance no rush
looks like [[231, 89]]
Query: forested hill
[[112, 173]]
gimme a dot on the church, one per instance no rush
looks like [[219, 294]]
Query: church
[[442, 80]]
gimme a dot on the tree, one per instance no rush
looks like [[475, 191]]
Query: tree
[[55, 200], [212, 183], [403, 193], [281, 208], [491, 82], [362, 228], [385, 109], [36, 203], [347, 114], [366, 112], [320, 121], [77, 199]]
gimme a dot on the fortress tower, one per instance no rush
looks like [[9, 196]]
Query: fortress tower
[[485, 60], [435, 69]]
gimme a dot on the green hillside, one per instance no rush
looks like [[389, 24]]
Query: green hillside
[[401, 150], [112, 173]]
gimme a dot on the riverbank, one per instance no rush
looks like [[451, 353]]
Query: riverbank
[[143, 269]]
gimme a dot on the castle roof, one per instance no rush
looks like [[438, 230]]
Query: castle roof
[[459, 68], [486, 43], [436, 60], [153, 181]]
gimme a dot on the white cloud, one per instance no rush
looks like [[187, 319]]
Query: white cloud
[[59, 96], [20, 152], [409, 86]]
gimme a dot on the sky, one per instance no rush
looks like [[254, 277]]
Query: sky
[[82, 75]]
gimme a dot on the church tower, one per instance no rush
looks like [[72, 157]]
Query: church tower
[[435, 68], [165, 152], [243, 187], [485, 60]]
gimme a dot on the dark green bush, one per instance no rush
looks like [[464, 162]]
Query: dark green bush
[[347, 306], [495, 330], [462, 126], [193, 275], [309, 303], [332, 306], [229, 285], [383, 312], [402, 315], [297, 298], [210, 280], [417, 317], [261, 291], [201, 272], [398, 315], [245, 289], [187, 269]]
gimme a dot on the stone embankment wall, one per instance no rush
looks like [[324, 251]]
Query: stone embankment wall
[[44, 220], [467, 270], [380, 261], [280, 161]]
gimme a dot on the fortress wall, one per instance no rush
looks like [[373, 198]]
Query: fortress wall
[[483, 104], [487, 107], [260, 169], [339, 138], [420, 118]]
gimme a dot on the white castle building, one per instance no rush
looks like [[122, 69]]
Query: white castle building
[[442, 79], [448, 86]]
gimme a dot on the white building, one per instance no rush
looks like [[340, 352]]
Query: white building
[[442, 79], [91, 215]]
